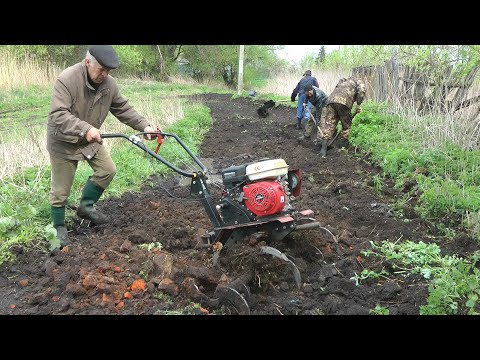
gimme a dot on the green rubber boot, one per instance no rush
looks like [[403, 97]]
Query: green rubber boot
[[58, 216], [90, 195]]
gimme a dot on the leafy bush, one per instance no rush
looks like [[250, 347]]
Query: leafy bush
[[138, 60], [398, 160]]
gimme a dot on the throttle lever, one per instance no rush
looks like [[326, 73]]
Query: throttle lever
[[159, 139]]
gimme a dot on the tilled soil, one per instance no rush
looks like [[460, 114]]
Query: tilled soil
[[118, 268]]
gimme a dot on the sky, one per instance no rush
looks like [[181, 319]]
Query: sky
[[295, 53]]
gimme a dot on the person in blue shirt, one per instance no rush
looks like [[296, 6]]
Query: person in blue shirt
[[307, 79]]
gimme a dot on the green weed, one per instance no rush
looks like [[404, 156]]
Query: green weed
[[380, 310], [159, 295], [190, 309], [377, 183], [369, 274], [454, 282]]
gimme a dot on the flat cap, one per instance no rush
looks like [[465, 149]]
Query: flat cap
[[308, 87], [307, 72], [105, 55]]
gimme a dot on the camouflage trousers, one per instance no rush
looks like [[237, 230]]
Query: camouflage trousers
[[311, 122], [332, 114]]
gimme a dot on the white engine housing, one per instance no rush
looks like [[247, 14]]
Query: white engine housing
[[266, 169]]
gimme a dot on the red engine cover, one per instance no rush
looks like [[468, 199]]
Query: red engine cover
[[264, 197]]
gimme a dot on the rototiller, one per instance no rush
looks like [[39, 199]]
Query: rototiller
[[256, 199]]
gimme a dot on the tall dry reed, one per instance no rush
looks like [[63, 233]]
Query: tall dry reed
[[434, 117], [15, 73], [30, 150], [283, 83]]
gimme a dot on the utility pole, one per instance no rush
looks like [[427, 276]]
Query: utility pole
[[240, 70]]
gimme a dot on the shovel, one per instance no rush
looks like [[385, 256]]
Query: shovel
[[263, 110]]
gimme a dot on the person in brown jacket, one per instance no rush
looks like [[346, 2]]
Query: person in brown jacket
[[338, 108], [83, 94]]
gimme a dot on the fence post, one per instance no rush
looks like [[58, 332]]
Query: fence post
[[395, 87], [462, 91]]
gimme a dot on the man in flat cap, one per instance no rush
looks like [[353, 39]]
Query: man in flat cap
[[83, 94]]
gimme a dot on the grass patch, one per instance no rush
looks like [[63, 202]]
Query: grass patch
[[22, 109], [448, 176], [135, 89], [454, 282]]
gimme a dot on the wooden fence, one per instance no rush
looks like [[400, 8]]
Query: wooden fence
[[405, 85]]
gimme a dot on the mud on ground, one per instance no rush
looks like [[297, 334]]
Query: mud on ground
[[116, 268]]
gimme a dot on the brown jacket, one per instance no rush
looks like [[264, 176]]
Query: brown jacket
[[77, 107], [347, 92]]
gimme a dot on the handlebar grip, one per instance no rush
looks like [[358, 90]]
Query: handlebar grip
[[107, 136], [134, 140]]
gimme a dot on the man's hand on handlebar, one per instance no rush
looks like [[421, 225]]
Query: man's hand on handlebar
[[93, 135], [149, 129]]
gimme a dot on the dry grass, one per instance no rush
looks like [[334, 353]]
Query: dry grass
[[437, 128], [284, 83], [29, 151], [161, 112], [472, 222], [23, 153], [15, 73]]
